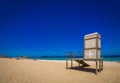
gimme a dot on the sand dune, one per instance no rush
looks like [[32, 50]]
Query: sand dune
[[31, 71]]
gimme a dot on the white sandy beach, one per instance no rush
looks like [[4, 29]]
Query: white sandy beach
[[43, 71]]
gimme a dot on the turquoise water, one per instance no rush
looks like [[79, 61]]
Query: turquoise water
[[106, 58], [115, 59]]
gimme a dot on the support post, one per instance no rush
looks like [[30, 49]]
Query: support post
[[96, 67], [102, 64], [71, 63], [66, 64], [99, 65], [79, 63]]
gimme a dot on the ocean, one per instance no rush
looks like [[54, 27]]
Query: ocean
[[114, 58], [106, 58]]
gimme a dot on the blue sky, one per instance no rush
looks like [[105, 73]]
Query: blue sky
[[54, 27]]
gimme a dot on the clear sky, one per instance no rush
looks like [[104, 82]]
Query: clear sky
[[53, 27]]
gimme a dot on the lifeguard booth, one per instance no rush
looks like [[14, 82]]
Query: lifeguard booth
[[92, 52], [92, 46]]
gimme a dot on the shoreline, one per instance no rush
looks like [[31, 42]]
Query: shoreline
[[57, 60]]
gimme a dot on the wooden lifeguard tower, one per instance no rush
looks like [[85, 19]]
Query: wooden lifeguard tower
[[92, 52]]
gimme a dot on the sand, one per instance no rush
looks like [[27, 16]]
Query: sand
[[38, 71]]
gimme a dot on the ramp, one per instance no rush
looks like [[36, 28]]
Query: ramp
[[82, 62]]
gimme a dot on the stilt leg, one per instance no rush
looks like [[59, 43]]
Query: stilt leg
[[71, 63], [102, 64], [66, 64], [99, 65], [96, 67], [79, 63]]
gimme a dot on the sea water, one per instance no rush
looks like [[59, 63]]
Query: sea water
[[106, 58]]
